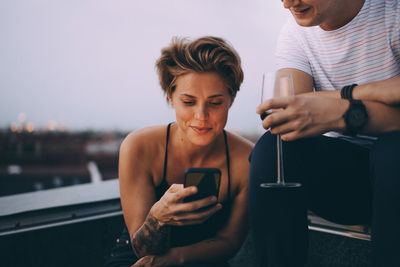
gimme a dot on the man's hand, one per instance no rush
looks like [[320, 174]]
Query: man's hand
[[302, 116]]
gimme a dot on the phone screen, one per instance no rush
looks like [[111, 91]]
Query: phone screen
[[207, 181]]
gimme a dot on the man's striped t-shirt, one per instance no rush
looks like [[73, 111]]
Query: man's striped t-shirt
[[364, 50]]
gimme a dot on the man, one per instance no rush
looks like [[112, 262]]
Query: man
[[341, 131]]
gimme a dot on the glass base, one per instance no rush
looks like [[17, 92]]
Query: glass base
[[280, 185]]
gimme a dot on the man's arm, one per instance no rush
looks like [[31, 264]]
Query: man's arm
[[314, 113], [386, 92], [382, 100], [302, 82]]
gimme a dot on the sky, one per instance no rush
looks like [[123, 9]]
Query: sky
[[89, 64]]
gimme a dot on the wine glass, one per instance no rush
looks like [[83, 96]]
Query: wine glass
[[277, 84]]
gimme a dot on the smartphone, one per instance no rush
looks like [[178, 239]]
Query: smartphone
[[207, 181]]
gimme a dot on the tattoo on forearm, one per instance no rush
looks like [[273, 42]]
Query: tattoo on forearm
[[151, 238]]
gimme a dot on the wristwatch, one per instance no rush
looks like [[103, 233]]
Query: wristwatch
[[356, 117]]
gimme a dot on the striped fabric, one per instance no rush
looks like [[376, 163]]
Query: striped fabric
[[366, 49]]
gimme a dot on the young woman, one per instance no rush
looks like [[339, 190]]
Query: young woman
[[200, 79]]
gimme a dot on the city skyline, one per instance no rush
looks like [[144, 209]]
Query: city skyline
[[90, 64]]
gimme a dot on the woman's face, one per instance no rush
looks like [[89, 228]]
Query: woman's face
[[201, 102]]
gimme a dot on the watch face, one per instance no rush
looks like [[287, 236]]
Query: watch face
[[357, 117]]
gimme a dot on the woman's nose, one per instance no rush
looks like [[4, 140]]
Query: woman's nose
[[201, 112]]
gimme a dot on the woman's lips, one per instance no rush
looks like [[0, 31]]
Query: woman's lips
[[201, 130]]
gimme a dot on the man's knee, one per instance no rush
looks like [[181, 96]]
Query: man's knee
[[265, 145], [385, 164]]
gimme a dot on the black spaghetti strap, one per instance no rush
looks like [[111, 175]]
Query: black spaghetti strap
[[166, 152], [228, 165], [226, 153]]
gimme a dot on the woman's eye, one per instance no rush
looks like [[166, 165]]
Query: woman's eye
[[189, 103], [216, 103]]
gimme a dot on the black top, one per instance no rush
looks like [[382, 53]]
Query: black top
[[186, 235]]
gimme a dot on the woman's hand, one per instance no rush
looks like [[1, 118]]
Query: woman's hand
[[171, 258], [146, 261], [150, 261], [172, 210], [301, 116], [152, 238]]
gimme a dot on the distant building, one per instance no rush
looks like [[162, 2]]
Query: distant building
[[32, 161]]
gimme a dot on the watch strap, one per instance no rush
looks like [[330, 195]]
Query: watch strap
[[347, 91]]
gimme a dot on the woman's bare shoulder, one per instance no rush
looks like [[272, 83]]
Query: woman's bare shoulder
[[239, 152], [145, 140], [143, 151], [239, 145]]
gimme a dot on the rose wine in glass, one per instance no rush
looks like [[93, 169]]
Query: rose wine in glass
[[277, 84]]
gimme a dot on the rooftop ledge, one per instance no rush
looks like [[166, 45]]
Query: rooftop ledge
[[97, 200], [54, 207]]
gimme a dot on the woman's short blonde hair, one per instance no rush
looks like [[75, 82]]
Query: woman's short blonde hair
[[205, 54]]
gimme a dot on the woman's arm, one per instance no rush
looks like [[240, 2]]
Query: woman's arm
[[221, 247], [152, 238], [224, 245], [148, 220], [137, 198], [229, 239]]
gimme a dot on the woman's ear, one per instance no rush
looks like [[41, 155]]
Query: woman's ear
[[169, 97]]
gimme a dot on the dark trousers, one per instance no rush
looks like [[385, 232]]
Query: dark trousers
[[341, 182]]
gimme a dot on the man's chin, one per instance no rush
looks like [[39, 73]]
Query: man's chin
[[305, 23]]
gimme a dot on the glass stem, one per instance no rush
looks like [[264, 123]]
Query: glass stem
[[281, 178]]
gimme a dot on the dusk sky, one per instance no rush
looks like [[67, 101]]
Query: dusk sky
[[89, 64]]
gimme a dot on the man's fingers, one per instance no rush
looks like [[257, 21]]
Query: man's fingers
[[276, 118], [273, 103]]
